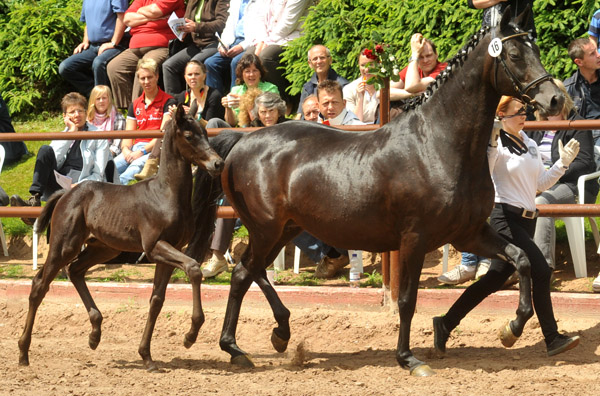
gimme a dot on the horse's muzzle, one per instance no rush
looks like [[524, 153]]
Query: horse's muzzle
[[215, 167]]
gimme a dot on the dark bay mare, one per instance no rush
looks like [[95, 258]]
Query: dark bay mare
[[153, 216], [414, 184]]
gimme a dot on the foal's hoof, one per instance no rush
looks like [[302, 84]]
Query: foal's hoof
[[422, 370], [23, 361], [242, 361], [187, 342], [279, 343], [93, 342], [506, 336]]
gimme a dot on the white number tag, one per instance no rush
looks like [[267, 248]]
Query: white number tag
[[495, 47]]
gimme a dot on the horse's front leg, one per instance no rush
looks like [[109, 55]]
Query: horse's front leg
[[162, 275], [95, 252], [164, 253], [411, 256]]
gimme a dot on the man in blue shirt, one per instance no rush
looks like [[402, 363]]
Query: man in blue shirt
[[102, 41]]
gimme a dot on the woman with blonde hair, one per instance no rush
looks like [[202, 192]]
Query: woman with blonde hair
[[517, 176], [103, 114]]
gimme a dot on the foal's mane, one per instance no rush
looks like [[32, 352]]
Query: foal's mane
[[445, 75]]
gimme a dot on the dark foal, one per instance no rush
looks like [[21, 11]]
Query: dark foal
[[153, 216], [415, 184]]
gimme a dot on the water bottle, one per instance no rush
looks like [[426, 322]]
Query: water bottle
[[355, 268]]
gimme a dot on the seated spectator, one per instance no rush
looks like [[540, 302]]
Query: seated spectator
[[310, 108], [423, 67], [565, 190], [148, 112], [269, 109], [249, 73], [80, 160], [275, 24], [319, 59], [150, 35], [361, 98], [584, 84], [103, 39], [103, 114], [222, 66], [333, 106], [516, 7], [13, 151], [594, 30], [208, 104], [202, 20], [329, 260], [471, 267]]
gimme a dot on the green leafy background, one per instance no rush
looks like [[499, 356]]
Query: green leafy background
[[37, 35]]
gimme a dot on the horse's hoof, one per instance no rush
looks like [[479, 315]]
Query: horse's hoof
[[188, 343], [422, 370], [279, 343], [24, 361], [153, 368], [242, 361], [506, 336], [93, 343]]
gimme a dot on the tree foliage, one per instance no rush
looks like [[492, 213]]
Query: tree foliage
[[36, 37], [345, 26]]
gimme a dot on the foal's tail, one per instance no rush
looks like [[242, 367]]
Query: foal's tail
[[44, 220], [207, 190]]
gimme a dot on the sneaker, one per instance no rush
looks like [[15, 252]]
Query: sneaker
[[596, 285], [440, 334], [562, 343], [456, 276], [34, 200], [328, 267], [482, 268], [214, 267]]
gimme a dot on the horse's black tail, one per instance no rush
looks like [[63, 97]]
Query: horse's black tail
[[204, 199], [44, 220]]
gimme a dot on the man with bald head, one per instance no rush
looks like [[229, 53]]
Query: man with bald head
[[319, 59]]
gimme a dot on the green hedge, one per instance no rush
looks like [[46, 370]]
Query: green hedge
[[345, 25], [36, 36]]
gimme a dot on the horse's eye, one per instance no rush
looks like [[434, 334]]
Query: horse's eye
[[514, 56], [188, 135]]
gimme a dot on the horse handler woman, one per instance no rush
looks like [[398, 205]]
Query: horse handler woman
[[516, 179]]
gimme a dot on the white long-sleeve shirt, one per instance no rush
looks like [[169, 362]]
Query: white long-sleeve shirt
[[517, 178]]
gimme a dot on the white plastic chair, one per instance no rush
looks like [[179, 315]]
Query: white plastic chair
[[576, 230], [2, 236]]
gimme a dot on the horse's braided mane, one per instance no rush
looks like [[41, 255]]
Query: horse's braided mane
[[445, 74]]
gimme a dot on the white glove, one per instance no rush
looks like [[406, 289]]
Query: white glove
[[568, 152], [494, 137]]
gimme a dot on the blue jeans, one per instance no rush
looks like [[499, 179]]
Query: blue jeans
[[217, 66], [174, 67], [470, 259], [314, 248], [127, 170], [86, 69]]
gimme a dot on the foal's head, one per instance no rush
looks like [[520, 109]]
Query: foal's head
[[191, 140], [518, 70]]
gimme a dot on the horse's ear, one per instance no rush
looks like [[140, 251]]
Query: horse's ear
[[523, 18], [193, 108], [505, 18], [179, 113]]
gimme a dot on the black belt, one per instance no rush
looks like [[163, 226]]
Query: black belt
[[528, 214]]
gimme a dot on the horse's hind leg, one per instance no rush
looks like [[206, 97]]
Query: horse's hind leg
[[39, 287], [162, 275], [94, 253]]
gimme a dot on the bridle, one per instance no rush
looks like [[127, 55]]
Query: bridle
[[517, 85]]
